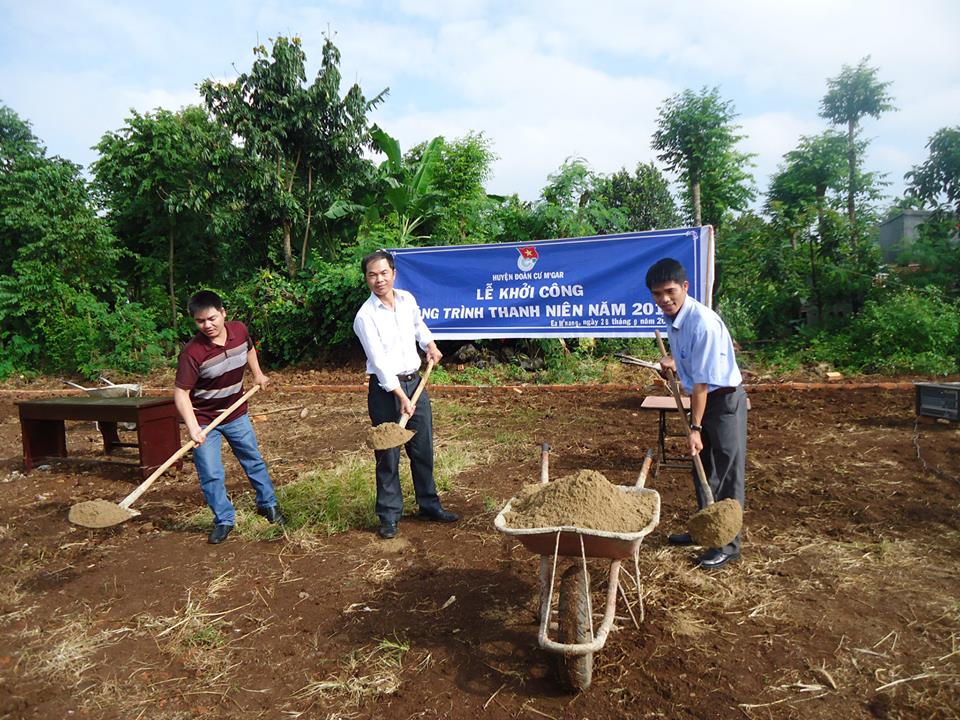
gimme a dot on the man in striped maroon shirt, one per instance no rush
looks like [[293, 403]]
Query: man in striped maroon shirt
[[209, 380]]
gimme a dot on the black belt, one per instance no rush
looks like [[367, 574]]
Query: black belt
[[408, 377], [723, 391]]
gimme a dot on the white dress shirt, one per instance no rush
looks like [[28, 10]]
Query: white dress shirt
[[388, 337]]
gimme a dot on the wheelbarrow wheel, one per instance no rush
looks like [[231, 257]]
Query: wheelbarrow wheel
[[574, 627]]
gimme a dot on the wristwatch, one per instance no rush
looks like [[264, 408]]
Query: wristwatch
[[694, 426]]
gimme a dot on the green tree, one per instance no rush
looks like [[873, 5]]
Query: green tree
[[854, 94], [62, 301], [169, 180], [697, 139], [408, 189], [462, 169], [936, 181], [798, 197], [643, 197], [307, 141], [935, 184]]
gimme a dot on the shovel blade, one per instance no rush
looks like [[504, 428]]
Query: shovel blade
[[717, 524], [388, 435], [99, 514]]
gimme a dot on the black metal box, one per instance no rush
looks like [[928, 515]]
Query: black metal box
[[939, 400]]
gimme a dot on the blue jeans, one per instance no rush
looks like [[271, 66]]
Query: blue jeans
[[209, 464]]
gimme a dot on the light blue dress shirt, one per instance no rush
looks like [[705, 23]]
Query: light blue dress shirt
[[702, 348]]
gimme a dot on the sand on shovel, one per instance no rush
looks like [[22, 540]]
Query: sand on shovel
[[387, 435], [585, 500], [98, 514], [717, 524]]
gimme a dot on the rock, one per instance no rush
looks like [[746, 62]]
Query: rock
[[466, 354]]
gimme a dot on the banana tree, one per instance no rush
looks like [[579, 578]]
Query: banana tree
[[413, 197]]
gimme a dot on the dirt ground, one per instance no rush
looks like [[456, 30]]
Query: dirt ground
[[844, 604]]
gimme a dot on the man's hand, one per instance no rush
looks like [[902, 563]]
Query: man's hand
[[198, 435], [407, 407], [696, 442], [261, 380], [433, 354]]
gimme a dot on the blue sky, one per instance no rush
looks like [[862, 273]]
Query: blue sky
[[544, 80]]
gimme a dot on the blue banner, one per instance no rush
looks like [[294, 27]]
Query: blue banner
[[571, 287]]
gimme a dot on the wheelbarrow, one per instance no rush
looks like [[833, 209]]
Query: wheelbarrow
[[577, 639], [111, 390]]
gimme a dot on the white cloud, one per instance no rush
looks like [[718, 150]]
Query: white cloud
[[543, 79]]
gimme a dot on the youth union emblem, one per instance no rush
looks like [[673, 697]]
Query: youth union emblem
[[528, 258]]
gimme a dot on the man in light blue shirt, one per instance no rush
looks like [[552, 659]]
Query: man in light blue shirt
[[389, 327], [702, 356]]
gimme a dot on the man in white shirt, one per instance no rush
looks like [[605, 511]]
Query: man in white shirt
[[702, 354], [390, 327]]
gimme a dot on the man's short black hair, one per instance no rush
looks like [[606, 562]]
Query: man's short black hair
[[664, 271], [204, 300], [378, 255]]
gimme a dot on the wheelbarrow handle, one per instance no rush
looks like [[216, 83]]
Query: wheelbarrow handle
[[545, 463], [645, 469]]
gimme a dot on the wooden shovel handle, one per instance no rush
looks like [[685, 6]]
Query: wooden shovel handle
[[145, 485], [675, 391], [416, 395]]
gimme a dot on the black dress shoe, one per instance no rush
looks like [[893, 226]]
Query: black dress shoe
[[680, 539], [219, 534], [441, 515], [387, 530], [714, 559], [272, 514]]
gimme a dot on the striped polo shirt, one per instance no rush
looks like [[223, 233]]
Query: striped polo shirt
[[214, 374]]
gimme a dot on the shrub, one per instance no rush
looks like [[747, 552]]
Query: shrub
[[909, 331], [275, 310]]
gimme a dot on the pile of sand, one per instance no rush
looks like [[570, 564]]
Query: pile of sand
[[387, 435], [98, 514], [718, 524], [586, 500]]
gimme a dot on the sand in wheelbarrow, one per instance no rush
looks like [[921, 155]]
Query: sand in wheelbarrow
[[586, 500], [98, 514], [387, 435], [717, 524]]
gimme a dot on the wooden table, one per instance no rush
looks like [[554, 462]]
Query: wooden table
[[158, 426], [663, 405]]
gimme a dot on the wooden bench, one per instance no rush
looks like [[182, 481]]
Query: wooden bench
[[158, 426]]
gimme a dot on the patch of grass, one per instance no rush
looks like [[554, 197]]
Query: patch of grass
[[364, 673], [491, 505], [451, 411], [473, 375], [439, 375], [334, 500], [575, 369], [204, 636], [191, 632], [67, 652], [510, 438]]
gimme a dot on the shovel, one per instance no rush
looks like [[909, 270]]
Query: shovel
[[719, 522], [103, 513], [394, 434]]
